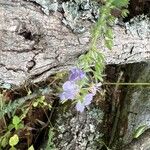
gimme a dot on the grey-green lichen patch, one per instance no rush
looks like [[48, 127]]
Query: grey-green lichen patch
[[5, 85], [47, 5], [76, 11], [139, 26], [79, 131]]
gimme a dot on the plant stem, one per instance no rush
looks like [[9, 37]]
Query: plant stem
[[129, 84]]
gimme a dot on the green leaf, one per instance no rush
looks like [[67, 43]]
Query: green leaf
[[20, 126], [42, 98], [10, 127], [88, 70], [44, 103], [14, 140], [139, 131], [110, 20], [93, 55], [109, 33], [12, 148], [16, 120], [35, 104], [31, 147], [120, 3], [124, 13], [109, 43], [4, 142], [98, 77]]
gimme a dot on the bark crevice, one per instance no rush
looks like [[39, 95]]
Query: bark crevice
[[41, 45]]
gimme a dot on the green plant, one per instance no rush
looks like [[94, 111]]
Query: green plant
[[104, 144], [50, 144], [13, 141], [92, 63], [85, 80], [11, 107], [6, 139], [40, 102], [31, 147], [16, 123], [94, 60], [139, 131]]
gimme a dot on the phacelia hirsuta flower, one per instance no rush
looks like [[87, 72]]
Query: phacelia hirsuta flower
[[80, 106], [70, 90], [76, 74]]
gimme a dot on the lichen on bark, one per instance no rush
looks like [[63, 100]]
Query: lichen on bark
[[29, 36], [79, 131]]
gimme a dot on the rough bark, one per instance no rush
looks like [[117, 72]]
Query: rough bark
[[137, 105], [34, 45], [79, 131], [134, 109], [141, 143]]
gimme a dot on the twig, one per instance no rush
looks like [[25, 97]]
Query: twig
[[129, 84]]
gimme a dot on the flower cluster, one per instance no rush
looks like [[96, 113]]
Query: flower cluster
[[71, 89], [80, 106]]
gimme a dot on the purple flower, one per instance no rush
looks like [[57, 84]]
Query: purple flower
[[76, 74], [70, 90], [80, 106], [87, 99]]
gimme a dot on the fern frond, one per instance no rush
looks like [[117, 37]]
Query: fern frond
[[12, 107], [120, 3]]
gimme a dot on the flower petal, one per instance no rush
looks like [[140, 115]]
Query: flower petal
[[67, 95], [87, 99], [68, 86], [76, 74], [62, 96], [80, 107]]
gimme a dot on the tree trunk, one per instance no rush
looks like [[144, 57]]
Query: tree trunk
[[34, 45]]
